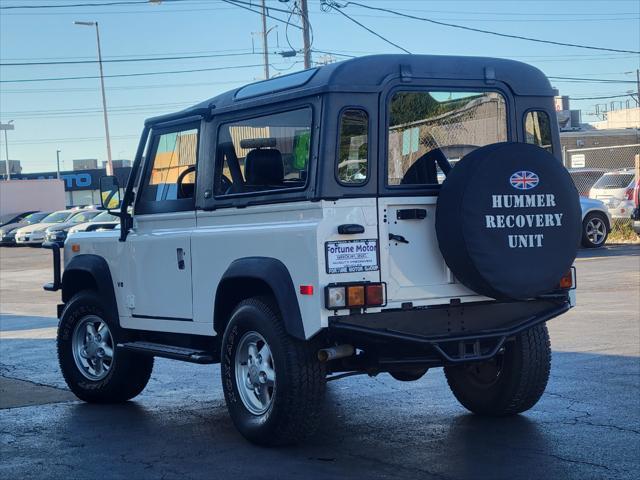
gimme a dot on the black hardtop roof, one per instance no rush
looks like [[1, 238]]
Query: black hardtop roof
[[369, 74]]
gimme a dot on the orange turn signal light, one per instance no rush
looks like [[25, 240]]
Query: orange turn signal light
[[355, 295], [75, 248], [566, 282]]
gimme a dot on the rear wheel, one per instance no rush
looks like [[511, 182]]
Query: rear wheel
[[273, 383], [93, 368], [511, 382], [595, 230]]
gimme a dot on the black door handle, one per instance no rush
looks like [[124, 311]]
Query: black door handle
[[398, 238], [180, 255], [350, 229]]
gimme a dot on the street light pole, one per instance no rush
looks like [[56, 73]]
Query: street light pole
[[104, 97], [58, 162], [7, 126]]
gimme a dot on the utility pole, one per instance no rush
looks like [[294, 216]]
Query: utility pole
[[104, 98], [58, 162], [265, 46], [7, 126], [638, 86], [305, 33]]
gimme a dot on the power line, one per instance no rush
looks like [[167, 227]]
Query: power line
[[601, 98], [334, 5], [247, 6], [591, 80], [139, 74], [128, 60], [72, 5]]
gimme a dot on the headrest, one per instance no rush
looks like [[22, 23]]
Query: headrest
[[264, 167]]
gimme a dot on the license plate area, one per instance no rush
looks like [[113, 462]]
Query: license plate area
[[347, 256]]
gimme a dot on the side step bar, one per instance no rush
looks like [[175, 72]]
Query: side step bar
[[169, 351]]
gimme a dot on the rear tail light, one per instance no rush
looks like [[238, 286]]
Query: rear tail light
[[354, 295], [628, 193], [567, 282]]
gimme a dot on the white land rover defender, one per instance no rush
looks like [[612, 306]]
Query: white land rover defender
[[384, 214]]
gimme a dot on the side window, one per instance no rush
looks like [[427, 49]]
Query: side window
[[172, 173], [267, 153], [537, 129], [353, 153], [430, 129]]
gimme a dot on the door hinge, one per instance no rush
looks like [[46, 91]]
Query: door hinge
[[131, 301]]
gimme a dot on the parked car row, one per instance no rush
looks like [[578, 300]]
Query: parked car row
[[35, 228]]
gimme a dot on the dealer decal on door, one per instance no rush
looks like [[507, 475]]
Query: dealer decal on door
[[348, 256]]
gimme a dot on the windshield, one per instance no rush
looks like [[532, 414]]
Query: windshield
[[614, 180], [83, 217], [35, 217], [57, 217], [104, 217]]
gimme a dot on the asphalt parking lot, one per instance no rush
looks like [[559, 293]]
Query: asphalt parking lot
[[587, 424]]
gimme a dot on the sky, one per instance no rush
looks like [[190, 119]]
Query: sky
[[66, 115]]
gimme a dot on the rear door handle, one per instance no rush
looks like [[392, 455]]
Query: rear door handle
[[398, 238], [180, 257]]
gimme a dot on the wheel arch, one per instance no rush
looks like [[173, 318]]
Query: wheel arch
[[254, 276], [89, 272]]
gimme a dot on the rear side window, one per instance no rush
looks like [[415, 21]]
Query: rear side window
[[428, 129], [262, 154], [537, 129], [353, 154]]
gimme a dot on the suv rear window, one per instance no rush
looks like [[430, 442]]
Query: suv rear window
[[424, 127], [614, 180]]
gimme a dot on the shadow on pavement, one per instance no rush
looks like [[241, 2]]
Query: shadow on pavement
[[587, 425], [619, 250]]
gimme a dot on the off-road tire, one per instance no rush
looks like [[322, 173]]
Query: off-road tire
[[585, 241], [526, 362], [295, 409], [129, 372]]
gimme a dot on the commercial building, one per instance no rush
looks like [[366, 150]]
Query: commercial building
[[82, 187]]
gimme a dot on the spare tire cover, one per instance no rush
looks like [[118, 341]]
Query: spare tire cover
[[508, 221]]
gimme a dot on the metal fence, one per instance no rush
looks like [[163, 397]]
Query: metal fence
[[607, 174]]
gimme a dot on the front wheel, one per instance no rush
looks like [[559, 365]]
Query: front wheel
[[94, 369], [510, 383], [273, 383]]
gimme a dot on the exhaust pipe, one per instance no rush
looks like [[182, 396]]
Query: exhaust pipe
[[333, 353]]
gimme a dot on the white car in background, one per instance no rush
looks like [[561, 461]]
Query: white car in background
[[596, 222], [615, 189], [104, 220], [34, 234]]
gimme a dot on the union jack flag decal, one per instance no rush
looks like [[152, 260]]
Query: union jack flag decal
[[524, 180]]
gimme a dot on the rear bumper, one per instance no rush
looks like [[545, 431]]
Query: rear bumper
[[454, 333]]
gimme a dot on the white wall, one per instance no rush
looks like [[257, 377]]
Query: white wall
[[23, 195]]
